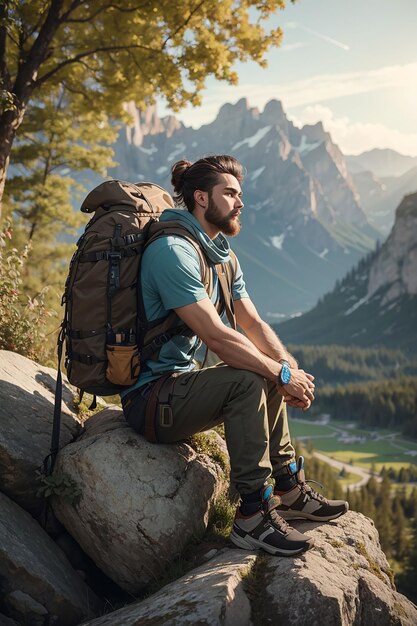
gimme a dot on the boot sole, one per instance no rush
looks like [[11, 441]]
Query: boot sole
[[254, 544]]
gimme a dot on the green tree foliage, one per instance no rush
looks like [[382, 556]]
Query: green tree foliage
[[407, 579], [394, 513], [387, 404], [40, 195], [109, 52], [335, 364], [22, 319]]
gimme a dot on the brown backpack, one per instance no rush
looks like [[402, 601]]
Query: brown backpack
[[105, 330]]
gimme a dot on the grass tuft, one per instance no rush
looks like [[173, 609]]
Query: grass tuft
[[373, 565]]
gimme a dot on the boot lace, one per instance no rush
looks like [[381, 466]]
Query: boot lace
[[279, 521], [307, 490]]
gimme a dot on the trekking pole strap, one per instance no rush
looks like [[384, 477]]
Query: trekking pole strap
[[50, 460]]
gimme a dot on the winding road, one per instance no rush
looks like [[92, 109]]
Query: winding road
[[360, 471]]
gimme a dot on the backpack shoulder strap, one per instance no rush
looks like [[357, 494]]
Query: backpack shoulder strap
[[163, 229], [226, 273]]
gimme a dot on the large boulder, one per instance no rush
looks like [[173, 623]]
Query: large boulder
[[140, 504], [212, 594], [344, 580], [37, 584], [26, 416]]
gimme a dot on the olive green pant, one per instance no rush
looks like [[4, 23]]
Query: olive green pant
[[254, 416]]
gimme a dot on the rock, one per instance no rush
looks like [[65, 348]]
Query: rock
[[141, 503], [26, 415], [36, 576], [212, 594], [7, 621], [21, 605], [343, 580]]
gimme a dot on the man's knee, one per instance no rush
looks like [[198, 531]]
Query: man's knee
[[251, 380]]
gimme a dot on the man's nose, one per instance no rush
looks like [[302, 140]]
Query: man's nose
[[239, 204]]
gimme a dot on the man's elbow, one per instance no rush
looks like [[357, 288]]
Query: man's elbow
[[216, 341]]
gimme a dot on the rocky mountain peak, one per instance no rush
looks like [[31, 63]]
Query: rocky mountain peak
[[299, 195], [408, 207], [147, 122], [274, 113], [228, 110], [394, 269], [316, 132]]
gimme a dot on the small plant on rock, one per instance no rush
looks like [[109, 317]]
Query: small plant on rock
[[59, 484]]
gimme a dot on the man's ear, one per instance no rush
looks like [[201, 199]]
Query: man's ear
[[201, 198]]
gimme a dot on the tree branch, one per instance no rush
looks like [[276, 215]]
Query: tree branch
[[138, 7], [4, 73], [78, 92], [82, 55], [24, 82], [74, 5], [184, 24]]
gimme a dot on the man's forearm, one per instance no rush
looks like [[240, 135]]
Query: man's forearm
[[266, 340], [239, 351]]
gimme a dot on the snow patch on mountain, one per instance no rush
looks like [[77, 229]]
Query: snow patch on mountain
[[150, 150], [254, 139], [305, 146], [260, 205], [278, 241], [254, 175], [179, 149], [357, 305]]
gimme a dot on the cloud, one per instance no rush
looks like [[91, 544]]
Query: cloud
[[313, 90], [289, 47], [321, 36], [356, 137], [330, 86]]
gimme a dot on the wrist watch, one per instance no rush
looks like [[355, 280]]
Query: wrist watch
[[284, 376]]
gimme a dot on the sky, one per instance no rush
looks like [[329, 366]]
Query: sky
[[351, 64]]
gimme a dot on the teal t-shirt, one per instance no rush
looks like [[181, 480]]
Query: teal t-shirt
[[171, 278]]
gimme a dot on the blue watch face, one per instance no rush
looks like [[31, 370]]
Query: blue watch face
[[285, 375]]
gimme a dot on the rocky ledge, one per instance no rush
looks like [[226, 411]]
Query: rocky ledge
[[134, 508], [343, 580]]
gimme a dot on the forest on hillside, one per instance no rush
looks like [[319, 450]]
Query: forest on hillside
[[374, 386]]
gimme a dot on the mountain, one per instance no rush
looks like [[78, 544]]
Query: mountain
[[302, 226], [381, 162], [380, 196], [376, 303]]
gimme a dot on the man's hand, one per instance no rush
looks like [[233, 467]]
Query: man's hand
[[297, 404], [300, 390]]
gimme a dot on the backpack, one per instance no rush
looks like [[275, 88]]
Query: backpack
[[104, 328]]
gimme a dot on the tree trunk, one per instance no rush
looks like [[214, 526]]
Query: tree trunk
[[25, 83], [9, 124]]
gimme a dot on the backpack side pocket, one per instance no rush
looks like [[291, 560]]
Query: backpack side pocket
[[123, 364]]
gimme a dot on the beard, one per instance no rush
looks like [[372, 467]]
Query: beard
[[228, 224]]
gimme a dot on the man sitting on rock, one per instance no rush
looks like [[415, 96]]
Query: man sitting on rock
[[248, 390]]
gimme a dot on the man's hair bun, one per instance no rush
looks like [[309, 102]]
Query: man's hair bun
[[178, 172], [204, 174]]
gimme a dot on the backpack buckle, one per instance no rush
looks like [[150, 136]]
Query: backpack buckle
[[113, 256], [166, 418]]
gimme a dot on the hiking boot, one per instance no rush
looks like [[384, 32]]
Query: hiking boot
[[267, 530], [302, 502]]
